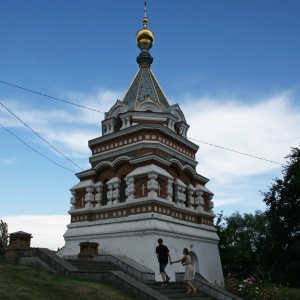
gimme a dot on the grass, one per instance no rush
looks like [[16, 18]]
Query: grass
[[18, 282]]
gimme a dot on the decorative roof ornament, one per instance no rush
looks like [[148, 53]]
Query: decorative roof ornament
[[144, 92], [145, 39]]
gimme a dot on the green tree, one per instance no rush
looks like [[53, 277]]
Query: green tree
[[281, 250], [240, 242], [3, 239]]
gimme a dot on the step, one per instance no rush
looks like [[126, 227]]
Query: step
[[176, 291], [92, 266]]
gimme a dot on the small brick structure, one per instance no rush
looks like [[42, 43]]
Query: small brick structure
[[17, 241], [88, 250]]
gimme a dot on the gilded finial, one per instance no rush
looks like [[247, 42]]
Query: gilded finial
[[145, 36], [145, 20], [145, 39]]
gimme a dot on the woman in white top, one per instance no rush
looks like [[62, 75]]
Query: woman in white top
[[189, 270]]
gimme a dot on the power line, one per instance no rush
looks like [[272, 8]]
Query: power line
[[36, 150], [40, 136], [53, 98], [68, 102], [237, 152]]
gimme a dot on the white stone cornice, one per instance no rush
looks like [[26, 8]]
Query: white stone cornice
[[105, 159], [140, 201], [203, 189], [193, 228], [178, 181], [82, 185], [113, 180], [140, 128], [148, 157], [149, 115], [148, 169], [90, 172], [98, 184], [138, 145], [149, 118]]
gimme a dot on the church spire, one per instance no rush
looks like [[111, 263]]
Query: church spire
[[145, 39], [144, 86]]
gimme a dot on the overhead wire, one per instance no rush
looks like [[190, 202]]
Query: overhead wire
[[53, 98], [36, 150], [81, 106], [238, 152], [40, 136]]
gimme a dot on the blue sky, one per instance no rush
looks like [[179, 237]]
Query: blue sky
[[233, 67]]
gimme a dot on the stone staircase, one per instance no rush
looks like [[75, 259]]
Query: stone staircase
[[174, 290], [124, 273], [177, 291], [92, 266]]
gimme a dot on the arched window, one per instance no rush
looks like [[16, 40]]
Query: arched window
[[186, 195], [104, 194], [118, 124], [194, 197], [174, 192], [122, 189]]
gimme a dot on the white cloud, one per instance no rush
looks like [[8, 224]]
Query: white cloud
[[47, 231], [68, 130], [266, 128]]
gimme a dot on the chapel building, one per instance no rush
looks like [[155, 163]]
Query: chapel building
[[142, 184]]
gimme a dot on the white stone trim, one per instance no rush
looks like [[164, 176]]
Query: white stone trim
[[98, 196], [73, 200], [203, 189], [138, 145], [89, 197], [118, 108], [180, 197], [82, 185], [148, 169], [111, 164], [149, 104], [191, 199], [134, 129]]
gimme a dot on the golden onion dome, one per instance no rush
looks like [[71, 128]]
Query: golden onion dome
[[145, 37]]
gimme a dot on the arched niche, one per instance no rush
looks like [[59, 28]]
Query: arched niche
[[195, 261], [117, 109], [149, 105], [177, 112]]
